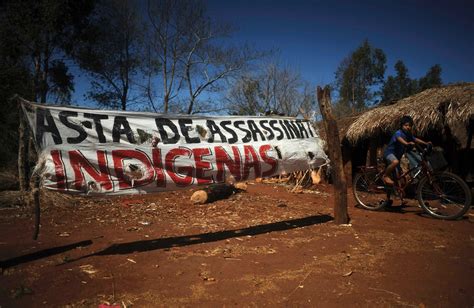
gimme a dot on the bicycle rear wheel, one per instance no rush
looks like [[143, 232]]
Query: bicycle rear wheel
[[447, 196], [369, 190]]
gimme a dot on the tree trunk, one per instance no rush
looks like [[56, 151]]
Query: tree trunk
[[165, 103], [123, 101], [335, 155]]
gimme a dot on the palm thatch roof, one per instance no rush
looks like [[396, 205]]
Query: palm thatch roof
[[449, 106]]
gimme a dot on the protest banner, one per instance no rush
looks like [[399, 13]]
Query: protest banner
[[88, 151]]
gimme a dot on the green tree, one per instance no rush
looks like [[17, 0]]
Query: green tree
[[357, 75], [398, 86], [390, 90], [35, 40], [401, 85], [43, 33], [14, 79], [431, 79], [111, 52]]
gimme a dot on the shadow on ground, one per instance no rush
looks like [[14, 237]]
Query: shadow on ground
[[163, 243], [42, 254], [178, 241]]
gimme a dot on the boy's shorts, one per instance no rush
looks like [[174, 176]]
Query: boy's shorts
[[390, 158]]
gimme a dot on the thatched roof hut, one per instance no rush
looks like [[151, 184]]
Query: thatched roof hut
[[437, 109]]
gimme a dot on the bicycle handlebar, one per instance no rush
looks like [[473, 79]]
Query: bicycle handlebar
[[426, 150]]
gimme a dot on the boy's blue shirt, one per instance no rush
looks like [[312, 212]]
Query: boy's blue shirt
[[395, 147]]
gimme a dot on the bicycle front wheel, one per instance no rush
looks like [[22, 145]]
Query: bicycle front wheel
[[446, 196], [369, 190]]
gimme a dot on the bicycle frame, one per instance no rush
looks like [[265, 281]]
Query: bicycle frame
[[402, 181]]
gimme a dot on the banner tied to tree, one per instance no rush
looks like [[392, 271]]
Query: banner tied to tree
[[96, 152]]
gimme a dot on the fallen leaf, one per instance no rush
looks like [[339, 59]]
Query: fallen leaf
[[88, 269], [347, 274]]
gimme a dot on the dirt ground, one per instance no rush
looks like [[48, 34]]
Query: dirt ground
[[263, 247]]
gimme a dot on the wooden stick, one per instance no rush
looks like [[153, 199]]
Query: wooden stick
[[299, 181], [35, 198]]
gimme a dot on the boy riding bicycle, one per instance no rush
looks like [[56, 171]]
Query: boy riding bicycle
[[401, 139]]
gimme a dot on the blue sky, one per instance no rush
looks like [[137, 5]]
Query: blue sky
[[314, 36]]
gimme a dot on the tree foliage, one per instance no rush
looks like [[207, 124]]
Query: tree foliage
[[398, 86], [431, 79], [356, 76], [43, 32], [35, 39], [276, 89], [111, 52], [401, 85], [14, 79]]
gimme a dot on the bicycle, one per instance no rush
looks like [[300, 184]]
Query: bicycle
[[441, 194]]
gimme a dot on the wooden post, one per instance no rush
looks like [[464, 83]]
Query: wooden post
[[335, 155], [22, 152]]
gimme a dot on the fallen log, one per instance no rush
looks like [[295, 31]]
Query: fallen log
[[216, 192]]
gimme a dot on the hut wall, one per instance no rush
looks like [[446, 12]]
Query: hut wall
[[347, 161], [358, 156]]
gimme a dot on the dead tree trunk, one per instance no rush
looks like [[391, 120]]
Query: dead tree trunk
[[335, 155]]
